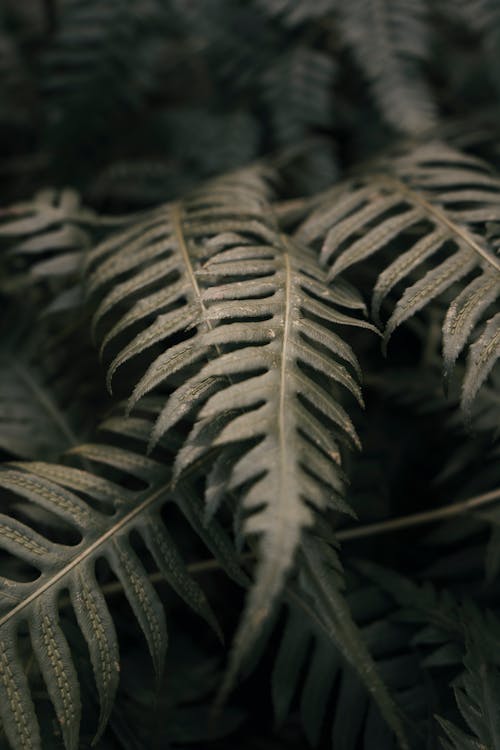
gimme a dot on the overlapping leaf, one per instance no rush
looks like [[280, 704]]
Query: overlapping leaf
[[429, 209], [103, 512]]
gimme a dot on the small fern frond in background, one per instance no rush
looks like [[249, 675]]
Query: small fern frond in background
[[296, 12], [430, 208], [389, 40], [316, 674], [476, 693], [97, 47], [322, 586], [298, 89], [457, 634], [46, 240]]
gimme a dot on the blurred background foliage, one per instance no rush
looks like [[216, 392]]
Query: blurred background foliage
[[132, 101]]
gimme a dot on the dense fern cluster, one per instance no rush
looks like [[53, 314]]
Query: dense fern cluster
[[249, 375]]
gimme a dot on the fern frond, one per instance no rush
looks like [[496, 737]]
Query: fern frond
[[431, 207], [49, 221], [104, 512], [298, 89], [258, 307], [268, 393], [389, 39]]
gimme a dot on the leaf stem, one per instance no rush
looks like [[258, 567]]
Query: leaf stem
[[357, 532], [417, 519]]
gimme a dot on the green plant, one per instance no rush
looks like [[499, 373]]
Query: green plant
[[184, 344]]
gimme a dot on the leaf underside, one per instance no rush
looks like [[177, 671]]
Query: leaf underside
[[243, 317]]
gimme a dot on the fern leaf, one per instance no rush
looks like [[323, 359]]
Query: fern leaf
[[280, 481], [295, 461], [96, 624], [443, 620], [18, 714], [49, 233], [432, 206], [388, 39], [257, 306], [73, 495], [432, 284]]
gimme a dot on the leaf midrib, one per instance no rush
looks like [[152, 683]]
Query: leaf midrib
[[176, 215], [283, 374]]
